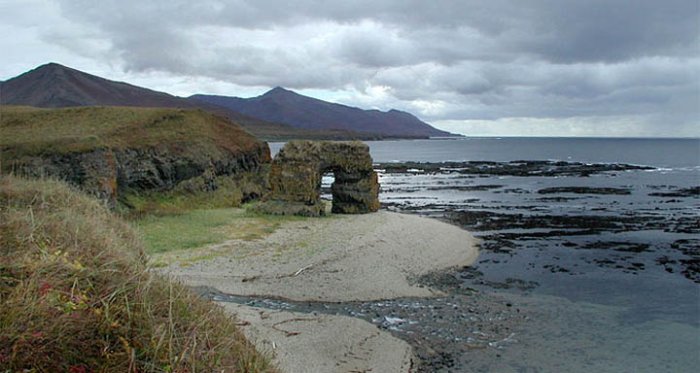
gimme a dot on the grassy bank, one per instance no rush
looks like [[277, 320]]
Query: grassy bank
[[32, 131], [202, 227], [231, 191], [191, 236], [76, 295]]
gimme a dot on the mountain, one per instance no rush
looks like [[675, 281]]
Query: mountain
[[277, 115], [53, 86], [284, 106]]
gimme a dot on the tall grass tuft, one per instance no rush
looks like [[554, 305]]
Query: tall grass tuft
[[76, 295]]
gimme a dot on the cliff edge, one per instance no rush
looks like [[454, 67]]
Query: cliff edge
[[110, 151]]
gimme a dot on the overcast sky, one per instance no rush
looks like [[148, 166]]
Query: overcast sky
[[492, 67]]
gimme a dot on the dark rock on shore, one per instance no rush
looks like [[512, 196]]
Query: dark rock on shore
[[476, 220], [690, 265], [584, 190], [513, 168], [683, 192], [631, 247], [484, 321]]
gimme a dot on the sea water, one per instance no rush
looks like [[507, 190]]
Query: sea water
[[611, 279]]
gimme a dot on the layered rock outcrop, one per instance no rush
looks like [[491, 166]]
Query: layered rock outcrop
[[158, 151], [105, 173], [295, 179]]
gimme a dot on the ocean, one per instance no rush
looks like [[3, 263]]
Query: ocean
[[596, 241]]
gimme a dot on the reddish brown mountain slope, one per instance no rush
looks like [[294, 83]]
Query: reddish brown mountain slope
[[54, 86], [284, 106]]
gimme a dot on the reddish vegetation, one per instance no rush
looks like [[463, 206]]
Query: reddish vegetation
[[76, 295]]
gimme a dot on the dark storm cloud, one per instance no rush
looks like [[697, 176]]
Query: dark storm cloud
[[461, 59], [554, 30]]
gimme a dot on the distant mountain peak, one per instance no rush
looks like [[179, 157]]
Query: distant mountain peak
[[48, 65], [279, 91], [282, 110], [54, 64], [52, 67], [288, 107], [55, 85]]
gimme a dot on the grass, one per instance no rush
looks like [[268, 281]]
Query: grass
[[188, 230], [184, 237], [76, 294], [32, 131], [191, 194]]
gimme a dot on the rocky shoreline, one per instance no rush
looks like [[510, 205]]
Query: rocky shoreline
[[444, 332], [510, 218], [481, 322], [350, 266], [512, 168]]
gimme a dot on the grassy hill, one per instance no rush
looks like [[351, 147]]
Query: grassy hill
[[32, 131], [76, 295], [116, 153]]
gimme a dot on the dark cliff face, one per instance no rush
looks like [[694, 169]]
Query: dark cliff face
[[108, 173], [123, 161]]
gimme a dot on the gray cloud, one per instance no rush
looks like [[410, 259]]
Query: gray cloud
[[442, 59]]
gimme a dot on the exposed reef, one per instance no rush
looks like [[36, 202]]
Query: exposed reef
[[681, 192], [512, 168], [584, 190], [295, 179]]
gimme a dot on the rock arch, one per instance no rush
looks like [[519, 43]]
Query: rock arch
[[295, 179]]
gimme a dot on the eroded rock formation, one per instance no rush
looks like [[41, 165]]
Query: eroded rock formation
[[105, 173], [295, 179], [159, 150]]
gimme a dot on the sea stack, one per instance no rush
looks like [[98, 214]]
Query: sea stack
[[295, 179]]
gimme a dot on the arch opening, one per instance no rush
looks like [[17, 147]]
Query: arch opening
[[297, 172]]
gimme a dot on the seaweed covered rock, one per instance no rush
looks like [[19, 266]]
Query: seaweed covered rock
[[295, 179]]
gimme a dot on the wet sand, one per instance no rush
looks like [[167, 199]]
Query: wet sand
[[336, 259]]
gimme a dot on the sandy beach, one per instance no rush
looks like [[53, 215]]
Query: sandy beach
[[334, 259], [302, 342]]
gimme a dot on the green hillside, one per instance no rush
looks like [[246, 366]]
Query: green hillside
[[33, 131]]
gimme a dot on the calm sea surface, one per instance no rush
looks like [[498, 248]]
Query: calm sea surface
[[657, 152], [612, 277]]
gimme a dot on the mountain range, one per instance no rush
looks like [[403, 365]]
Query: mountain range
[[284, 106], [277, 114]]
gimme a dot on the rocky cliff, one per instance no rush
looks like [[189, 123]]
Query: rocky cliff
[[295, 179], [111, 151]]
